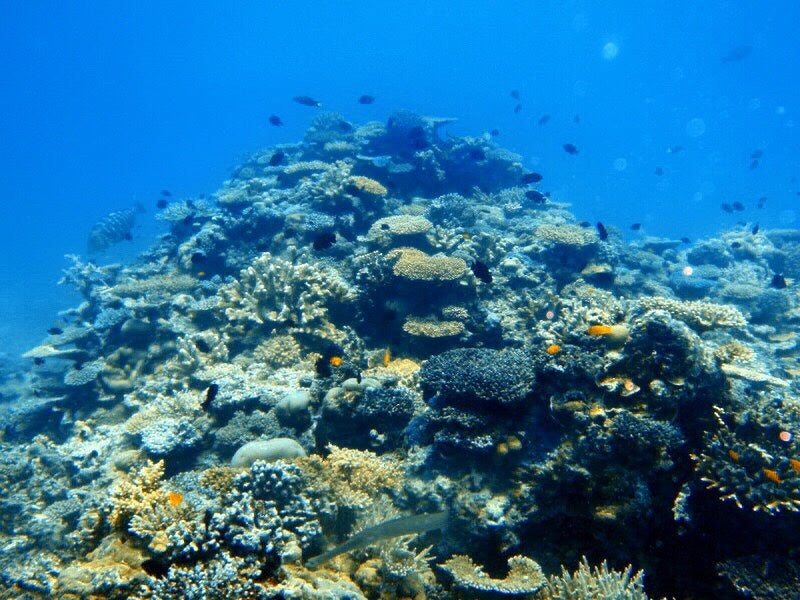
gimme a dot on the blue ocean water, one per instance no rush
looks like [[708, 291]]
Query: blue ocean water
[[105, 104]]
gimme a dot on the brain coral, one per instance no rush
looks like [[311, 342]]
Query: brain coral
[[416, 265]]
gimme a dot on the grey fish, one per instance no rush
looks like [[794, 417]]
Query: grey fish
[[390, 529], [113, 228]]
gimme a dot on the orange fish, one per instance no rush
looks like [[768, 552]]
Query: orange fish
[[466, 236], [772, 475], [795, 464], [175, 499], [599, 330], [387, 357], [734, 455], [336, 361], [553, 349]]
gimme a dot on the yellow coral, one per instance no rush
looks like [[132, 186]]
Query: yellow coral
[[365, 185], [416, 265]]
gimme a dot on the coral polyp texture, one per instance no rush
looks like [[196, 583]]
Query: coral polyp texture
[[380, 363]]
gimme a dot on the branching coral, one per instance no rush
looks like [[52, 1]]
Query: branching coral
[[525, 576], [598, 583], [697, 314]]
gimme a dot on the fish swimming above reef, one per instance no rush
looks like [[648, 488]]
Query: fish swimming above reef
[[277, 158], [726, 207], [571, 149], [636, 227], [366, 99], [543, 120], [536, 196], [275, 120], [530, 178], [778, 281], [601, 231], [306, 101], [113, 228], [481, 271], [324, 240]]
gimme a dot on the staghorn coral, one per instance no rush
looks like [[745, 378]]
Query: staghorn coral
[[524, 577], [598, 583], [415, 265]]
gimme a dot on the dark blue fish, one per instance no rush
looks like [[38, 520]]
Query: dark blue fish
[[275, 120], [761, 202], [277, 158], [166, 193], [161, 203], [659, 171], [726, 207], [324, 240], [536, 196], [686, 240], [754, 164], [636, 226], [601, 230], [306, 101], [754, 231], [530, 178], [481, 271], [55, 331], [517, 109], [570, 149], [515, 94], [738, 206], [737, 54], [778, 281], [494, 132], [477, 154], [757, 153], [366, 99], [543, 119]]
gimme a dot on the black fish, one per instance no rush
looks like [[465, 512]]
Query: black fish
[[757, 153], [166, 193], [128, 237], [726, 207], [674, 149], [345, 126], [481, 271], [738, 206], [275, 120], [161, 203], [187, 220], [601, 230], [659, 171], [306, 101], [536, 196], [211, 393], [197, 258], [754, 230], [737, 54], [570, 149], [366, 99], [736, 245], [55, 331], [417, 137], [202, 345], [585, 224], [515, 94], [324, 240], [636, 226], [190, 204], [38, 361], [323, 367], [778, 282], [477, 154], [530, 178], [277, 158], [494, 132], [543, 119], [761, 202], [686, 240], [754, 165], [517, 109]]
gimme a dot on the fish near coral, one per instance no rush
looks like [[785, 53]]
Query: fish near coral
[[772, 475], [113, 228], [599, 330], [553, 349], [175, 499], [387, 357]]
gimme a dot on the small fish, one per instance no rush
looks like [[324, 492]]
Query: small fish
[[757, 153], [686, 240], [737, 54], [515, 94], [734, 456], [481, 271], [323, 367], [55, 331], [599, 330], [494, 132], [166, 193], [795, 464], [345, 126], [175, 499], [306, 101], [754, 165], [674, 149], [736, 245], [585, 224], [659, 171], [161, 203], [387, 357], [543, 120], [530, 178], [601, 231], [576, 119], [324, 240], [517, 109], [128, 236], [366, 99], [772, 475], [277, 158], [156, 567], [570, 149], [336, 361], [38, 361], [738, 206], [275, 121], [211, 393], [754, 231], [726, 207], [636, 226], [778, 281], [536, 196], [187, 220], [553, 349], [477, 154], [761, 202], [197, 258], [202, 345]]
